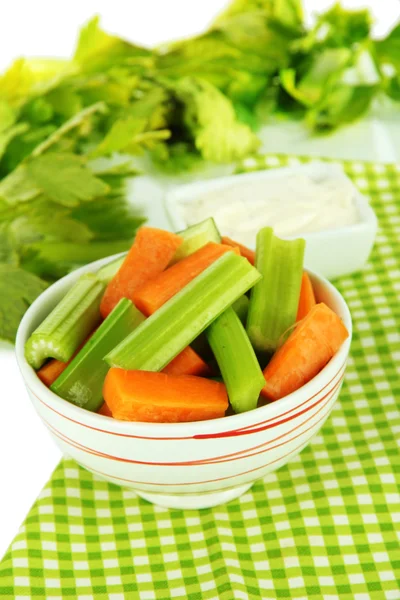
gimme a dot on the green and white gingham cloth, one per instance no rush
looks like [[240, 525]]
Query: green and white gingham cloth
[[326, 526]]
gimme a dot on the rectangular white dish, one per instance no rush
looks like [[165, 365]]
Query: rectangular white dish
[[331, 252]]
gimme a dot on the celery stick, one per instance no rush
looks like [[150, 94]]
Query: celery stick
[[201, 345], [241, 308], [82, 381], [106, 273], [180, 320], [237, 361], [68, 324], [274, 300], [195, 237]]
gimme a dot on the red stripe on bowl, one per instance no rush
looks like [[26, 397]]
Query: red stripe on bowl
[[241, 431], [244, 453], [187, 483], [339, 372], [255, 429], [204, 462]]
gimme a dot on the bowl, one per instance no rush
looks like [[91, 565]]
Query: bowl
[[331, 252], [185, 465]]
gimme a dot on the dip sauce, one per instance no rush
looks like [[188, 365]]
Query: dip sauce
[[293, 205]]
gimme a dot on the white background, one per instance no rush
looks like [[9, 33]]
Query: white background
[[48, 28]]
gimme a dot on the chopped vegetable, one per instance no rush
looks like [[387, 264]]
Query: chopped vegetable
[[244, 251], [150, 254], [307, 297], [104, 410], [52, 369], [81, 382], [163, 398], [237, 361], [241, 308], [274, 300], [49, 372], [143, 369], [155, 292], [106, 273], [188, 362], [307, 350], [68, 324], [182, 318], [195, 237]]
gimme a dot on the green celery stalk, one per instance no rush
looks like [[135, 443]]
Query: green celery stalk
[[68, 324], [180, 320], [82, 381], [241, 308], [106, 273], [195, 237], [274, 300], [201, 345], [237, 361]]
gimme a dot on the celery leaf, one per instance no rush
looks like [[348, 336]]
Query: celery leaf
[[18, 289], [211, 118], [65, 179]]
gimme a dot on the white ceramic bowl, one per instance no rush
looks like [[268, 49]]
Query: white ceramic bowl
[[186, 465], [332, 252]]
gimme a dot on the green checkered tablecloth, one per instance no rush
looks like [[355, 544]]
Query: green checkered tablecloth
[[325, 526]]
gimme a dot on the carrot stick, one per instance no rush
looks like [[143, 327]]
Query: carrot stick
[[104, 410], [244, 250], [150, 254], [306, 351], [307, 297], [51, 371], [162, 398], [188, 362], [155, 292]]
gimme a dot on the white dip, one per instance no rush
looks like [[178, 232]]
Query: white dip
[[292, 205]]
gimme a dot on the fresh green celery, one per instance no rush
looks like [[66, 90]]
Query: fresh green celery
[[68, 324], [106, 273], [201, 345], [274, 300], [195, 237], [241, 308], [180, 320], [237, 361], [82, 381]]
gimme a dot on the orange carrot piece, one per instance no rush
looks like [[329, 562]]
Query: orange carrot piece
[[306, 351], [51, 371], [307, 297], [104, 410], [188, 362], [149, 255], [155, 292], [162, 398], [244, 250]]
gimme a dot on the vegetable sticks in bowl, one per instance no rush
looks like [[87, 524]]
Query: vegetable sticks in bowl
[[172, 290]]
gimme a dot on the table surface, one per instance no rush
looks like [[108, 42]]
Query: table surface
[[28, 454]]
